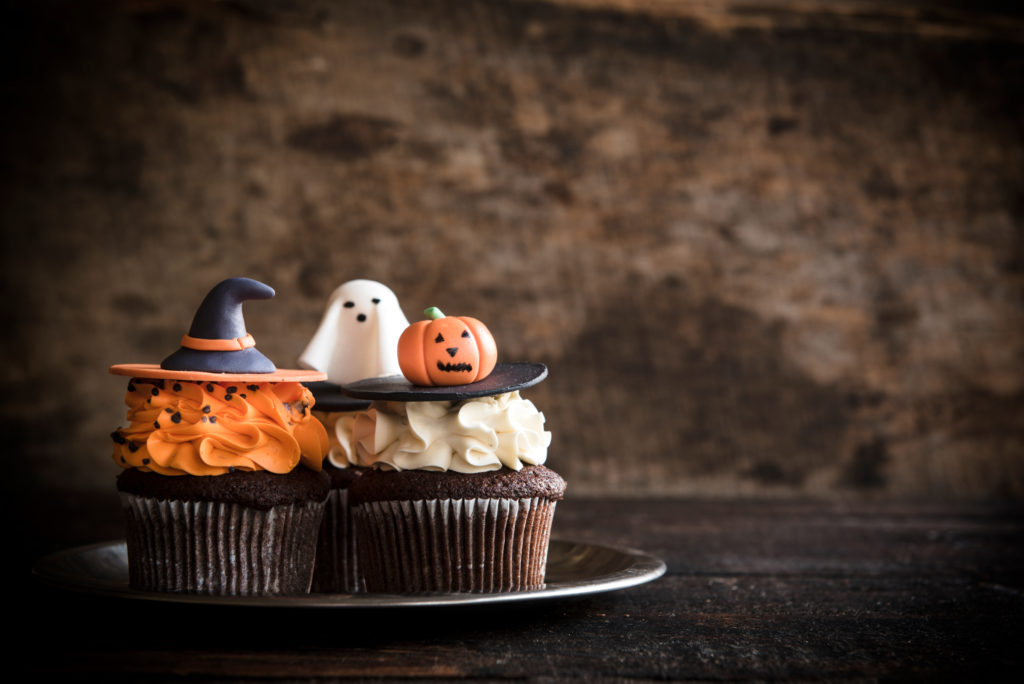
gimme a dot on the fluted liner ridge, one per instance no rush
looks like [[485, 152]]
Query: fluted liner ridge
[[453, 545], [336, 568], [206, 547]]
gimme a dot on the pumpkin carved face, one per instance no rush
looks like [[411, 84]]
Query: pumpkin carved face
[[446, 350]]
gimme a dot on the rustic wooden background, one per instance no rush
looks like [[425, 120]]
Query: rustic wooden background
[[766, 249]]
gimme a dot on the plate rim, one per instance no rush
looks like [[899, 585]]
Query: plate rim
[[644, 568]]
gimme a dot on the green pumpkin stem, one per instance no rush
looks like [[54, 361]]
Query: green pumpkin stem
[[433, 313]]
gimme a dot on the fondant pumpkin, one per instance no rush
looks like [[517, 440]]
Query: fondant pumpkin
[[446, 350]]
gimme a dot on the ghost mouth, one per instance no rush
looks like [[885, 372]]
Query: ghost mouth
[[454, 367]]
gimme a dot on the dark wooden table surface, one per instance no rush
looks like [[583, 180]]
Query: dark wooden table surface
[[754, 590]]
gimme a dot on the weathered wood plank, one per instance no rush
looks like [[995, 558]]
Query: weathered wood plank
[[766, 248], [682, 627], [810, 538], [761, 602]]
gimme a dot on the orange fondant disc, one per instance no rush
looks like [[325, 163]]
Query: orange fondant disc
[[152, 370]]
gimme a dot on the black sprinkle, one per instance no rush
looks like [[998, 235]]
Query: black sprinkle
[[361, 317], [118, 437], [169, 410], [122, 460], [209, 387], [206, 409], [227, 397], [155, 392], [131, 387], [213, 419], [375, 300], [156, 424], [204, 419], [242, 395], [145, 461], [177, 387], [232, 389], [176, 418], [349, 305], [253, 387], [133, 447]]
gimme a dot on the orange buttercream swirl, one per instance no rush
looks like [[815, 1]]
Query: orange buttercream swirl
[[211, 428]]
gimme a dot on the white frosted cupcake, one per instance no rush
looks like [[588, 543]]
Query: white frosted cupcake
[[357, 338], [459, 500]]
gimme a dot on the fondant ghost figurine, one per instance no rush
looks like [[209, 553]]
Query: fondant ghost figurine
[[358, 336]]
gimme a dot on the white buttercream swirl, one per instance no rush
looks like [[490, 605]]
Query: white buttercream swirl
[[470, 436], [340, 452]]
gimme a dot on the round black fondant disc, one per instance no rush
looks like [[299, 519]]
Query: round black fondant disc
[[329, 397], [506, 377]]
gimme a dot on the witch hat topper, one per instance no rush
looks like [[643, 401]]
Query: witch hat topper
[[217, 346]]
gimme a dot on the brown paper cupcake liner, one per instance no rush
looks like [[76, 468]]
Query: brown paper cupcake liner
[[336, 569], [224, 549], [453, 545]]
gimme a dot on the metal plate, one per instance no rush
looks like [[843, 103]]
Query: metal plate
[[574, 569]]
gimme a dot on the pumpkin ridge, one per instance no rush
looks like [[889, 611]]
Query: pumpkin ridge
[[410, 353], [446, 350]]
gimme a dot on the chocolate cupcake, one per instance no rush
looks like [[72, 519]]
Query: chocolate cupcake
[[336, 570], [240, 534], [222, 491], [422, 531], [356, 339], [459, 500]]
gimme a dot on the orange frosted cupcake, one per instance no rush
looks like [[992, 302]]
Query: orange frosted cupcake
[[223, 489]]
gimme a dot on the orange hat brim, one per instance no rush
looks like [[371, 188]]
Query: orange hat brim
[[152, 370]]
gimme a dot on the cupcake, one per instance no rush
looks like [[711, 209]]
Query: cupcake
[[336, 570], [459, 499], [356, 339], [222, 489]]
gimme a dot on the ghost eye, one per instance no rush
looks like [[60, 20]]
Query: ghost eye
[[439, 338], [349, 305], [465, 333], [375, 300]]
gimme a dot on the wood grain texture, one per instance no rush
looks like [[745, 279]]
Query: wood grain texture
[[765, 249], [792, 590]]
